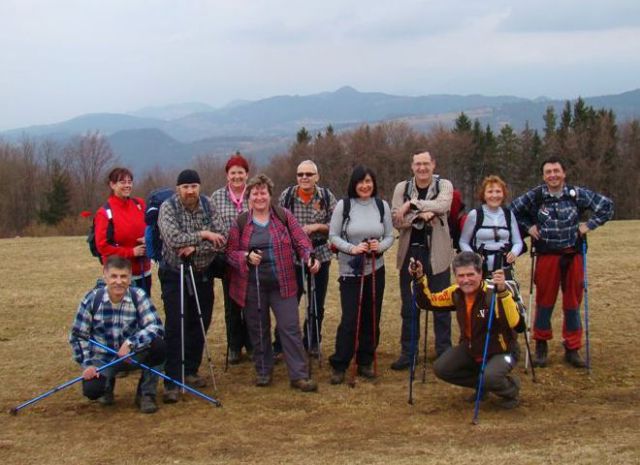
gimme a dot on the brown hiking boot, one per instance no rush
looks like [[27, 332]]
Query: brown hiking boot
[[542, 350], [337, 377], [573, 358], [366, 371], [263, 380], [305, 385], [147, 403], [195, 381], [171, 396]]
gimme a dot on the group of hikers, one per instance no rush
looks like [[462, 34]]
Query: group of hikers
[[269, 255]]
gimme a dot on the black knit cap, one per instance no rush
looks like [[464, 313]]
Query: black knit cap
[[188, 177]]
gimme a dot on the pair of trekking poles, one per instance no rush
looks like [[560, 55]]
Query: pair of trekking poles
[[128, 357], [374, 322]]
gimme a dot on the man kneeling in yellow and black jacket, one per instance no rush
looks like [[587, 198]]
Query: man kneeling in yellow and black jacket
[[470, 298]]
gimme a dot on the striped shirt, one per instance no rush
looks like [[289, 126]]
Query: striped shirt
[[558, 216], [180, 227], [225, 207], [113, 325], [313, 212]]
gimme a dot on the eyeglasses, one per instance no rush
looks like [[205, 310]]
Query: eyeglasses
[[305, 175]]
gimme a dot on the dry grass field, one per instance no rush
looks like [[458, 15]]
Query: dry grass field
[[568, 417]]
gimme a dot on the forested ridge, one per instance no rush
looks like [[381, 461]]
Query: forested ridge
[[45, 186]]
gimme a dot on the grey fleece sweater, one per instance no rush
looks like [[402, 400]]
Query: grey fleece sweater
[[363, 223]]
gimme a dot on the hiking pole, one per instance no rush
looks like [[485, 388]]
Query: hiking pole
[[424, 344], [374, 319], [586, 301], [414, 311], [352, 383], [204, 331], [314, 302], [492, 307], [259, 318], [15, 410], [308, 318], [182, 362], [527, 359], [214, 401]]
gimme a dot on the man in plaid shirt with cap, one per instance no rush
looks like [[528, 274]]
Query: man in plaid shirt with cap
[[188, 233]]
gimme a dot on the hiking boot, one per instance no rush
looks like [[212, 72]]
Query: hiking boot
[[305, 385], [337, 377], [540, 359], [573, 358], [171, 396], [509, 403], [402, 363], [234, 357], [366, 371], [106, 398], [195, 381], [263, 380], [147, 403], [472, 397]]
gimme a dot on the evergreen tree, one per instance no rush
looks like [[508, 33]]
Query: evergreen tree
[[58, 198]]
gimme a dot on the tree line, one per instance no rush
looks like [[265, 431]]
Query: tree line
[[45, 185]]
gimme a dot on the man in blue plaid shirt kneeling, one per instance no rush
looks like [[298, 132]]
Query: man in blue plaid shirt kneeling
[[122, 318]]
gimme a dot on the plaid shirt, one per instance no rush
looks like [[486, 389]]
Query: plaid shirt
[[180, 227], [314, 212], [226, 208], [112, 326], [558, 218], [286, 243]]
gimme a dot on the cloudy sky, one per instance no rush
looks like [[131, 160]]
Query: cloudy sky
[[62, 58]]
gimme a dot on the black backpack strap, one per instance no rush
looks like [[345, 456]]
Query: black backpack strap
[[476, 228], [407, 189], [242, 220], [97, 300], [110, 226], [346, 210], [380, 206], [288, 198]]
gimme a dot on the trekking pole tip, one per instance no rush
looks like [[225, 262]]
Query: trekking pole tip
[[13, 411]]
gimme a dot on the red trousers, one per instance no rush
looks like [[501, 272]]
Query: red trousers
[[553, 272]]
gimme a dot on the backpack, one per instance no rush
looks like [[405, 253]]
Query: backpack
[[538, 202], [153, 240], [480, 225], [243, 218], [290, 194], [91, 235], [457, 215]]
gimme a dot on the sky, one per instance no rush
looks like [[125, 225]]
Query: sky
[[64, 58]]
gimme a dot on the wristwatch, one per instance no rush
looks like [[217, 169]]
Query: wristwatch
[[130, 344]]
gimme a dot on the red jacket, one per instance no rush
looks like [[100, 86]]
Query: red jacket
[[128, 226]]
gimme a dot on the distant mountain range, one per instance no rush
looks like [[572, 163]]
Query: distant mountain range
[[174, 134]]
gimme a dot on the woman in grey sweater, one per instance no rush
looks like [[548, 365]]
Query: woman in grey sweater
[[361, 230]]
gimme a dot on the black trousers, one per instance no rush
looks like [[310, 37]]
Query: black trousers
[[193, 337], [346, 336], [237, 331], [441, 320]]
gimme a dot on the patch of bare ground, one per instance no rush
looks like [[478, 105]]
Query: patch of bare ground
[[567, 417]]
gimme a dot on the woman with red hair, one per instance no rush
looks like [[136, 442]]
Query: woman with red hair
[[230, 201]]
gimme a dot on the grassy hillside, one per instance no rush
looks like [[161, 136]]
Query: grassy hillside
[[567, 417]]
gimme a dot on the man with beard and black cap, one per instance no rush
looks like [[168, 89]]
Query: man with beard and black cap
[[192, 232]]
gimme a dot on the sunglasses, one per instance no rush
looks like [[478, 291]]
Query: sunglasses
[[305, 175]]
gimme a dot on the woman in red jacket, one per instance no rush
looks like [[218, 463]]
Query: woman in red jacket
[[120, 227]]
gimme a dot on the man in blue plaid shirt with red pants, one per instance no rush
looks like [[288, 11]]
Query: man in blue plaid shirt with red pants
[[551, 215]]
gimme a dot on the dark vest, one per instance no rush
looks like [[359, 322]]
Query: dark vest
[[503, 338]]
